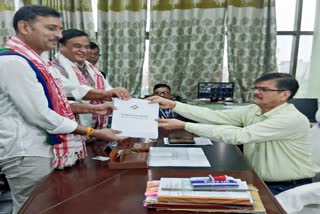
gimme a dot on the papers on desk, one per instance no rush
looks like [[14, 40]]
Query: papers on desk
[[198, 141], [135, 118], [181, 190], [177, 156], [177, 194]]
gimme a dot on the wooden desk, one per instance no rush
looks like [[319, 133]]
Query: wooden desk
[[91, 187]]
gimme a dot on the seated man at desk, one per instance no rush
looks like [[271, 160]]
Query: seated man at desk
[[274, 133], [164, 91]]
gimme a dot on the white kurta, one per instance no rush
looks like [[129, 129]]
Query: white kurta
[[72, 86], [25, 117]]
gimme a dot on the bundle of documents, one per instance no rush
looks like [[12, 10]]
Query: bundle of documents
[[181, 195]]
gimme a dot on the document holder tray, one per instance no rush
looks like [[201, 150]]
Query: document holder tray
[[140, 147], [129, 159]]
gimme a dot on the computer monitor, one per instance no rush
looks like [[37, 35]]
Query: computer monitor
[[216, 91], [307, 106]]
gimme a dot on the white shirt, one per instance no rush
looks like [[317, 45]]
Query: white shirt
[[72, 86], [25, 118]]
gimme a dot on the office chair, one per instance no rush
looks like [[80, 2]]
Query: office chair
[[303, 199], [307, 106]]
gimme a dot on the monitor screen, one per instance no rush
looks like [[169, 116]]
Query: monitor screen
[[215, 90], [307, 106]]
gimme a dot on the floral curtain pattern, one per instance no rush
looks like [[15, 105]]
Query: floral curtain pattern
[[75, 13], [121, 37], [187, 41], [251, 37], [7, 10], [186, 44]]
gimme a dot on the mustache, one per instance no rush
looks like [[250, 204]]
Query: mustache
[[255, 96]]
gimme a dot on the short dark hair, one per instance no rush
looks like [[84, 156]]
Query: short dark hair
[[30, 12], [160, 85], [71, 33], [94, 46], [284, 82]]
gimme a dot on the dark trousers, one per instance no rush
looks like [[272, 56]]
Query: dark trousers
[[278, 187]]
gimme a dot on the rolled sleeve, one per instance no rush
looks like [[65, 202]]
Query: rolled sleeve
[[67, 126]]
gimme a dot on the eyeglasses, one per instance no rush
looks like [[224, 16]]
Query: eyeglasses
[[161, 92], [264, 90]]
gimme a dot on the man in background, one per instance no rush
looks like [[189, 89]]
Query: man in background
[[93, 58], [163, 90], [274, 133]]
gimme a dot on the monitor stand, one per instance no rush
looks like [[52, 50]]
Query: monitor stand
[[220, 100], [214, 100]]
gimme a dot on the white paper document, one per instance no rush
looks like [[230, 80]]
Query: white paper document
[[135, 118], [177, 156], [199, 141]]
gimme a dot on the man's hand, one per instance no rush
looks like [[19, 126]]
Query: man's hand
[[107, 134], [102, 109], [163, 103], [120, 92], [171, 124]]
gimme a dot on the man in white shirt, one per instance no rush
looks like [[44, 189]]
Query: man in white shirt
[[34, 113], [77, 74], [274, 133]]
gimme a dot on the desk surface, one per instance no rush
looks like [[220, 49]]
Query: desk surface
[[91, 187]]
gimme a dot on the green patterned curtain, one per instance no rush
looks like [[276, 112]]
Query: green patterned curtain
[[186, 44], [121, 37], [7, 11], [251, 33], [75, 13]]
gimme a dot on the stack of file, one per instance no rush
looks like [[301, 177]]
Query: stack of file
[[181, 194]]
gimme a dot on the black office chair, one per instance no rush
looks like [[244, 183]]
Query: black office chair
[[307, 106]]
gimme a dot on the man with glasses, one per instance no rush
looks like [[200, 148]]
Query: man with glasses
[[274, 133], [163, 90], [93, 58]]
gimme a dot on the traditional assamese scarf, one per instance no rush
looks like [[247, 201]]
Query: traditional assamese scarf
[[67, 148], [98, 121]]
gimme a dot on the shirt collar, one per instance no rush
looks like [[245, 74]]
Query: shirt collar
[[272, 111]]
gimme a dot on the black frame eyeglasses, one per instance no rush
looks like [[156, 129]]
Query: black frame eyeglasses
[[264, 90]]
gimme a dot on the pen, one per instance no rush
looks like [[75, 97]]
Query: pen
[[211, 178]]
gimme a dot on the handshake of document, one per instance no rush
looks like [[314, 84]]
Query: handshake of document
[[135, 118]]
